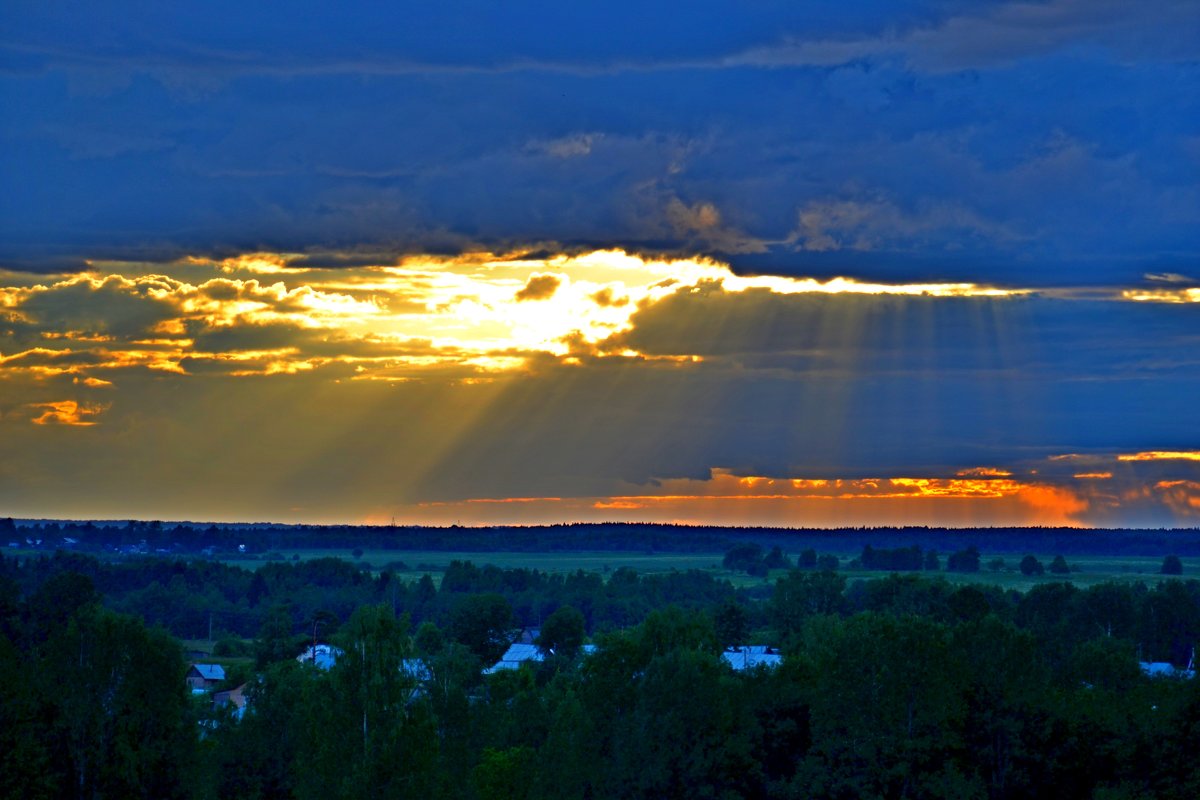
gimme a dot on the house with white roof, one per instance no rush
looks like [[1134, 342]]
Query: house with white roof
[[743, 657]]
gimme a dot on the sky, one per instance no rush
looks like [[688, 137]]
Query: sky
[[794, 264]]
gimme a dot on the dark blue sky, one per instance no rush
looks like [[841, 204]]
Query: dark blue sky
[[338, 261]]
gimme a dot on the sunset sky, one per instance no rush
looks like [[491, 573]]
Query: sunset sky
[[801, 264]]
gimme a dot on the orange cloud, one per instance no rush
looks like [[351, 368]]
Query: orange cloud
[[68, 412], [1161, 455], [727, 499]]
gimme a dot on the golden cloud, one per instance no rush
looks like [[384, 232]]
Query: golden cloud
[[67, 412], [1161, 455]]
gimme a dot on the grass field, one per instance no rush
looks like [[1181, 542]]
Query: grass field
[[1085, 570]]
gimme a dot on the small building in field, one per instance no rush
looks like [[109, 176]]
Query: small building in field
[[749, 656], [202, 677]]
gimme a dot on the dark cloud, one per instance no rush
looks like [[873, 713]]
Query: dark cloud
[[1031, 142], [539, 287]]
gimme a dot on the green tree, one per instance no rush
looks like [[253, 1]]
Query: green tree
[[744, 557], [119, 706], [964, 560], [732, 623], [563, 632], [483, 622], [1031, 566], [503, 774], [1171, 565], [799, 595], [568, 759], [776, 559], [276, 638], [1059, 566]]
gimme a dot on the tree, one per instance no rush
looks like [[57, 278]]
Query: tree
[[1031, 566], [1059, 566], [118, 703], [964, 560], [502, 774], [276, 641], [732, 623], [776, 559], [563, 632], [1171, 565], [807, 559], [743, 557], [800, 595], [482, 622], [932, 562]]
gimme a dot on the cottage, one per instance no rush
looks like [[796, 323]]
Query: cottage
[[750, 656], [202, 677]]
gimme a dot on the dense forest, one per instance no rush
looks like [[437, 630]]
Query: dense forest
[[260, 538], [903, 686]]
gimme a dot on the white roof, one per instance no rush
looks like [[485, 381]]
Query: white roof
[[751, 656], [1163, 669]]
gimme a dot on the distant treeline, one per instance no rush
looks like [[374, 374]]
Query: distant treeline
[[636, 537]]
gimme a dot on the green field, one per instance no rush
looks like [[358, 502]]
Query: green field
[[1085, 570]]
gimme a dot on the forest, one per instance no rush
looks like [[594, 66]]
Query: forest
[[901, 686]]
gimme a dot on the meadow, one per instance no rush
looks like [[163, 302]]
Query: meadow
[[1086, 571]]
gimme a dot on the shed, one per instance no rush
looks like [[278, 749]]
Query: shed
[[204, 676]]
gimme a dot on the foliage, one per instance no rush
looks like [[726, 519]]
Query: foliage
[[1031, 566]]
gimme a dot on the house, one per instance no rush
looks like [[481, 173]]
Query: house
[[232, 697], [322, 656], [750, 656], [519, 653], [202, 677], [1164, 669]]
